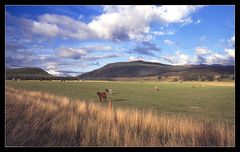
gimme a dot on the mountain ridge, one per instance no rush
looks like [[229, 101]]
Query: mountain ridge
[[144, 69]]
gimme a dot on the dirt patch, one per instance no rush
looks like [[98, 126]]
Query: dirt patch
[[193, 107]]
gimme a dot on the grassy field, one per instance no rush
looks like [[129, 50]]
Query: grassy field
[[34, 118], [212, 101]]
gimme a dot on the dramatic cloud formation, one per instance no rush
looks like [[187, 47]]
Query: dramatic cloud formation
[[116, 23], [65, 39], [133, 22]]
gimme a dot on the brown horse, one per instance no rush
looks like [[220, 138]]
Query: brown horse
[[102, 95]]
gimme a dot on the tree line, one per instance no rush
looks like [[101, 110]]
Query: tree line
[[37, 77], [196, 77]]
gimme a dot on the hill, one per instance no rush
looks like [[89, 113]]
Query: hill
[[26, 73], [147, 69]]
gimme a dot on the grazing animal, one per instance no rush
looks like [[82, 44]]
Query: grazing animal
[[156, 88], [109, 91], [193, 86], [102, 95]]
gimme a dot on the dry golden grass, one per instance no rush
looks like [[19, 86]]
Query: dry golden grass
[[41, 119]]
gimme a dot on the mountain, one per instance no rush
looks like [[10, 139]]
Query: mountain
[[147, 69], [26, 73]]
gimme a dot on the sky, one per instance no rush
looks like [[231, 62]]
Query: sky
[[70, 40]]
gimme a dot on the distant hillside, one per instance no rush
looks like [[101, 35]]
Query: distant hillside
[[146, 69], [26, 73]]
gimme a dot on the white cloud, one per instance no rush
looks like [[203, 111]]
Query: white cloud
[[186, 21], [132, 58], [178, 59], [74, 53], [122, 22], [158, 33], [198, 21], [230, 52], [169, 42], [206, 56], [51, 65], [69, 27], [54, 72], [174, 13], [50, 30], [231, 41], [80, 17], [90, 48], [115, 23], [147, 59], [202, 50], [216, 58], [97, 57]]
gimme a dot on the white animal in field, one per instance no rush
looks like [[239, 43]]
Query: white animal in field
[[109, 91], [156, 88]]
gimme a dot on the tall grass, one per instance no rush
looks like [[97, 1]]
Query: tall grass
[[41, 119]]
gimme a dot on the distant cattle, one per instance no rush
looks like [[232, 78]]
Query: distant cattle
[[109, 91], [102, 96], [193, 86], [156, 88]]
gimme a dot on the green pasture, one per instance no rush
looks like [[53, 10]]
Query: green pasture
[[208, 102]]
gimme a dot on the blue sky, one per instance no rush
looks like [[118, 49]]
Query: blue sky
[[69, 40]]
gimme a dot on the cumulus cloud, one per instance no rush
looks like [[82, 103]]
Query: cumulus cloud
[[230, 52], [169, 42], [206, 56], [122, 22], [50, 30], [115, 23], [74, 53], [231, 41], [146, 48], [178, 59], [201, 53], [202, 50], [217, 58]]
